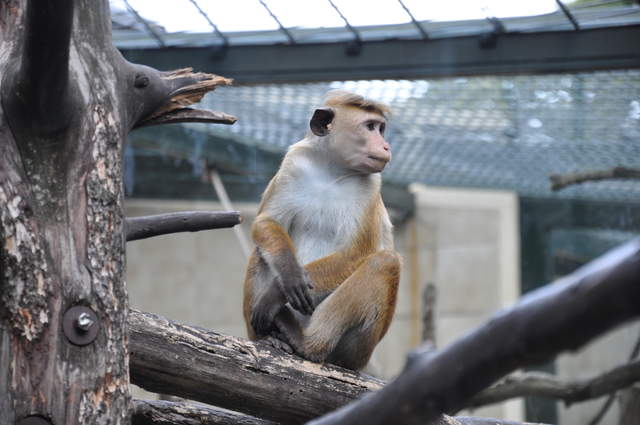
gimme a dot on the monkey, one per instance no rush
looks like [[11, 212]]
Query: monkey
[[323, 278]]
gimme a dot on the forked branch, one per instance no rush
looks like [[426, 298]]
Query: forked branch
[[546, 385]]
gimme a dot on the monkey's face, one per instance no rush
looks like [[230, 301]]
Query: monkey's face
[[358, 139]]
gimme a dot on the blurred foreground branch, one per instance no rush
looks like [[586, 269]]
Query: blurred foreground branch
[[562, 316]]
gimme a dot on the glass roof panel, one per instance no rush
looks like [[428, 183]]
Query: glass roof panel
[[458, 10], [238, 15], [305, 14], [372, 12], [250, 15]]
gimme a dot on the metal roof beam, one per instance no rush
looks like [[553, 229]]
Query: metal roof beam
[[544, 52]]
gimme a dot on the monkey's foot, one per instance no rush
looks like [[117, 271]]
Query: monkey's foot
[[278, 344]]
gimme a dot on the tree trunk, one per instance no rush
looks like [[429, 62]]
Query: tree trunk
[[61, 216], [68, 102]]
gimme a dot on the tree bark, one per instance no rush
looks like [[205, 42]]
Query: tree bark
[[61, 216], [562, 316], [68, 101]]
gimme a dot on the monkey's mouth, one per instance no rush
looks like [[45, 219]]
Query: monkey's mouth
[[378, 159]]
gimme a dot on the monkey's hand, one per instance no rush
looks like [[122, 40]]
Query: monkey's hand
[[296, 290]]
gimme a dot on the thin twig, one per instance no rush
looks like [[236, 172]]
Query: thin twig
[[547, 385], [607, 404]]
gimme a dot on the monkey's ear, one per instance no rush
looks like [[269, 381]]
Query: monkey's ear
[[320, 121]]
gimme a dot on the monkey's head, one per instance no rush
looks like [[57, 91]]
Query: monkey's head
[[352, 128]]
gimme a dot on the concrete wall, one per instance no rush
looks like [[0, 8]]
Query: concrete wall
[[196, 277], [468, 247]]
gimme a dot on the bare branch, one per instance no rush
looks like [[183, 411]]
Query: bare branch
[[546, 385], [166, 412], [186, 88], [561, 181], [609, 401], [561, 316], [188, 221]]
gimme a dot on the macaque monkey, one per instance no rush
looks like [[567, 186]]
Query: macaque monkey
[[323, 278]]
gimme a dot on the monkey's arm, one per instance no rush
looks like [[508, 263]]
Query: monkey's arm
[[276, 248], [327, 273]]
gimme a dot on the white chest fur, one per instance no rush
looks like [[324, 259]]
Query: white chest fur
[[325, 211]]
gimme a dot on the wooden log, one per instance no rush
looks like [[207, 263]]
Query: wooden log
[[188, 221], [236, 374], [147, 412], [144, 412]]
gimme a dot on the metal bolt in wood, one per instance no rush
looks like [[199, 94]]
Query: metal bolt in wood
[[80, 325]]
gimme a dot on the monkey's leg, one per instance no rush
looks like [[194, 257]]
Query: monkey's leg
[[347, 325], [288, 324]]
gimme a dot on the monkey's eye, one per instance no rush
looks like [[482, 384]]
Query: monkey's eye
[[371, 126], [382, 127]]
